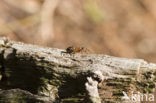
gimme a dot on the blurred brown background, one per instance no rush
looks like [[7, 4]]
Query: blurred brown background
[[125, 28]]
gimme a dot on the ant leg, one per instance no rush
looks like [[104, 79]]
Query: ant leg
[[72, 54], [63, 52]]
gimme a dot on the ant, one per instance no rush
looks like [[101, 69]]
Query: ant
[[73, 50]]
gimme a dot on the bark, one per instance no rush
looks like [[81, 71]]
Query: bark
[[76, 78]]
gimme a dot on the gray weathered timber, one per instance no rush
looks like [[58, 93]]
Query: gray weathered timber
[[86, 78]]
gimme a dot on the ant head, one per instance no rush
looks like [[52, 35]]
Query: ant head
[[70, 49]]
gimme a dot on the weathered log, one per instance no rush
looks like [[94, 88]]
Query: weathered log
[[86, 78]]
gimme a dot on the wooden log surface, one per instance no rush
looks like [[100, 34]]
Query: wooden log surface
[[76, 78]]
